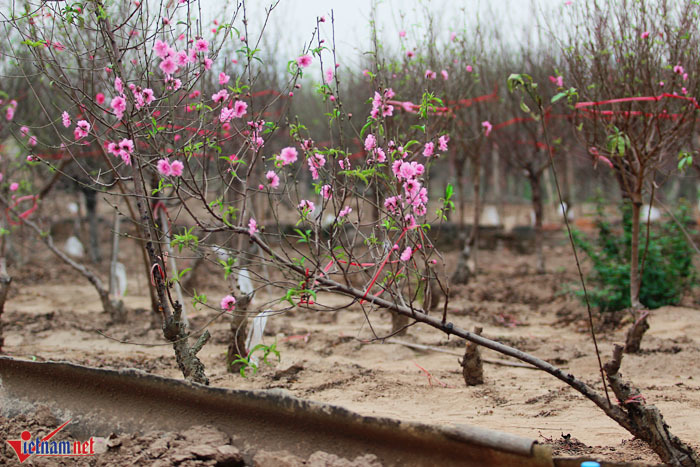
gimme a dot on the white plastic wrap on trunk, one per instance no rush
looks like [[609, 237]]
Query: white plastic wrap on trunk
[[74, 248], [244, 282], [255, 333], [120, 281]]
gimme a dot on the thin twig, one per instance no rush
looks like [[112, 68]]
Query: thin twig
[[573, 247]]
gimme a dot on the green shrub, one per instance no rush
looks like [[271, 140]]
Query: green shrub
[[668, 262]]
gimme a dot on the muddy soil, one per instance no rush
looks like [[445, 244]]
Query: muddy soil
[[340, 357]]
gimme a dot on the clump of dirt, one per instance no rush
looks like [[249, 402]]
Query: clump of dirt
[[568, 446]]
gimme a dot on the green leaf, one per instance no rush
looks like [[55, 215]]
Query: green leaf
[[558, 96]]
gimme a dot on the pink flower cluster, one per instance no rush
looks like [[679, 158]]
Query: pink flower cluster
[[257, 141], [328, 76], [414, 194], [326, 191], [315, 162], [304, 61], [376, 154], [287, 156], [442, 142], [118, 105], [429, 148], [228, 303], [488, 127], [558, 80], [172, 60], [123, 149], [272, 179], [170, 169], [252, 227], [142, 97], [220, 96], [228, 113], [10, 112], [380, 106], [82, 128], [306, 206]]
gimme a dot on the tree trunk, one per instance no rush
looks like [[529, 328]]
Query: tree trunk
[[462, 273], [635, 280], [398, 324], [535, 184], [5, 281], [552, 198], [173, 329], [462, 201], [474, 238], [633, 340], [93, 224], [165, 227], [239, 333], [568, 188], [645, 421], [496, 182], [472, 365]]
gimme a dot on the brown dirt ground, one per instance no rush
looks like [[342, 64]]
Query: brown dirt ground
[[53, 314]]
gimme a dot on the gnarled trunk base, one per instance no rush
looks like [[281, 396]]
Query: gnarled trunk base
[[645, 421], [633, 342], [399, 324], [472, 365], [239, 333]]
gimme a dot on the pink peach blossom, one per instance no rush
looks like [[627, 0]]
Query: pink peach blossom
[[272, 179], [252, 227], [304, 61], [163, 167], [487, 127], [442, 142], [176, 168], [287, 156], [326, 191], [228, 303]]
